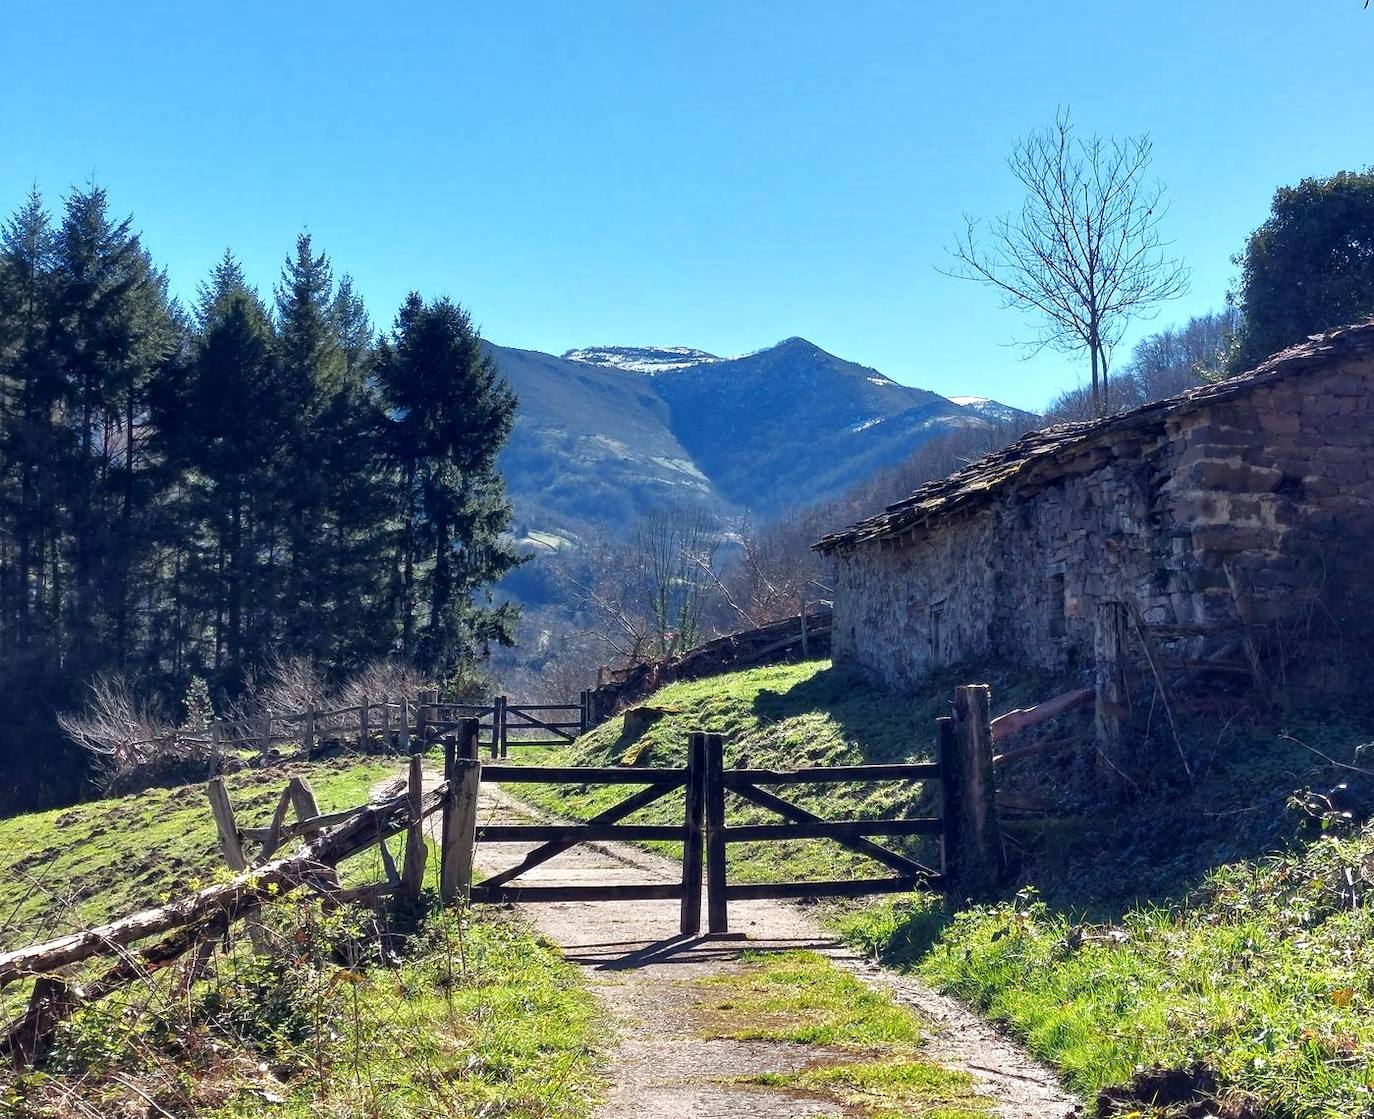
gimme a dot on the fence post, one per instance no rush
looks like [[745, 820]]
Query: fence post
[[460, 816], [972, 852], [403, 731], [805, 650], [230, 842], [231, 845], [584, 711], [413, 869], [309, 735], [364, 731], [694, 819], [386, 725], [469, 731], [717, 917], [498, 726], [1109, 651]]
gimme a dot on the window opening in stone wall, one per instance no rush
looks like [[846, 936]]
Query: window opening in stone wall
[[937, 644]]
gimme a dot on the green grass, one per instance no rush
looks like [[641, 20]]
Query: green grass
[[783, 716], [1265, 974], [477, 1018], [1210, 921], [875, 1067], [68, 868]]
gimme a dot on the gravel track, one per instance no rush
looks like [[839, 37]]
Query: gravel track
[[641, 970]]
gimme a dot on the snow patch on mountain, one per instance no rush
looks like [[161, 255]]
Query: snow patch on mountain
[[989, 409], [642, 359]]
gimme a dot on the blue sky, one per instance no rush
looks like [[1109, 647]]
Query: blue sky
[[721, 175]]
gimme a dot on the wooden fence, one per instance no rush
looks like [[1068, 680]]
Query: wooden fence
[[971, 859]]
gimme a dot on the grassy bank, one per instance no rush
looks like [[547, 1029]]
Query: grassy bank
[[345, 1017], [1264, 974], [67, 868]]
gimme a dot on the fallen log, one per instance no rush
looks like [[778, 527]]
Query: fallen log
[[227, 901]]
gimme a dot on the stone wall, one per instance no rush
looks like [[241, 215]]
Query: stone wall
[[1265, 497]]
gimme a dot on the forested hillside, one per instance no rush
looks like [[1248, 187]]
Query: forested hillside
[[188, 491]]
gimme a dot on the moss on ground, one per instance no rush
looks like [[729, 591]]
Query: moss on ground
[[875, 1067]]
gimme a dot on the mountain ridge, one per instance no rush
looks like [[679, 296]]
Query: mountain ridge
[[602, 433]]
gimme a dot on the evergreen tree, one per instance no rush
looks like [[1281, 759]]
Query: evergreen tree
[[113, 332], [226, 425], [32, 443], [449, 415], [312, 372]]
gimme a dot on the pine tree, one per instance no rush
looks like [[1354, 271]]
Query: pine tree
[[226, 425], [312, 372], [449, 415], [113, 331], [32, 442]]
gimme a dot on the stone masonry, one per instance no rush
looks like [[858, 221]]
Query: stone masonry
[[1251, 501]]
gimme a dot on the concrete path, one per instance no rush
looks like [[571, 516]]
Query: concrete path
[[642, 971]]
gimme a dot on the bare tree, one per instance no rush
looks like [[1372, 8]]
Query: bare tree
[[674, 546], [1084, 254], [648, 598]]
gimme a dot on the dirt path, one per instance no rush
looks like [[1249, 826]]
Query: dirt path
[[641, 969]]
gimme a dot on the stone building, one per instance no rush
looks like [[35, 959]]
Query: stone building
[[1233, 523]]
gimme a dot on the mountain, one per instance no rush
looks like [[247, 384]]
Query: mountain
[[603, 433], [592, 447], [792, 423]]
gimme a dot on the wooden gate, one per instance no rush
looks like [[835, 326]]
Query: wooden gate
[[553, 839], [971, 861], [504, 724], [802, 824]]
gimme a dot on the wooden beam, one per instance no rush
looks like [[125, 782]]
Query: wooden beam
[[914, 771], [833, 829], [849, 888], [693, 834], [583, 775], [576, 833], [717, 912], [1023, 718]]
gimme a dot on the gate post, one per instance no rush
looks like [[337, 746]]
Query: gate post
[[464, 774], [692, 834], [498, 727], [717, 917], [971, 847]]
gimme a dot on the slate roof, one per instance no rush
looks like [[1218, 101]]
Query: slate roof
[[1066, 448]]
